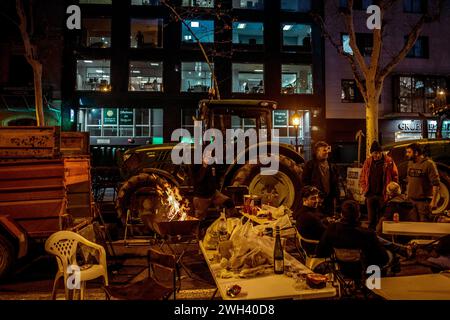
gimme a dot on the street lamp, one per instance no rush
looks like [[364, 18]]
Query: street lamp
[[296, 123]]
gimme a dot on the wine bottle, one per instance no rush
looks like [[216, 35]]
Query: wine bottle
[[222, 227], [278, 254]]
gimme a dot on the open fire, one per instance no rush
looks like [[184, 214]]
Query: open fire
[[172, 204]]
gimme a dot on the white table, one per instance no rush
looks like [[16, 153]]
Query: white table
[[422, 287], [432, 229], [270, 286]]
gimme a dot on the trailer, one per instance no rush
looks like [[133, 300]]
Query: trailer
[[45, 186]]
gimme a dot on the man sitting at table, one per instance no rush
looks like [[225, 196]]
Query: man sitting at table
[[308, 219], [397, 203]]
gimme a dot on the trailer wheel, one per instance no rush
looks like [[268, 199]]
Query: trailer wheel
[[7, 257]]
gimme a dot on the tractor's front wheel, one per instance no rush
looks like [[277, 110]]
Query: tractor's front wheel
[[280, 188]]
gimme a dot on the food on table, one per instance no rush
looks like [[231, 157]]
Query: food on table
[[252, 272]]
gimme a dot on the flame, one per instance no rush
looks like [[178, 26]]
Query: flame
[[174, 206]]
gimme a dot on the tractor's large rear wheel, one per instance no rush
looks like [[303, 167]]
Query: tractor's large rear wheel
[[443, 200], [282, 187]]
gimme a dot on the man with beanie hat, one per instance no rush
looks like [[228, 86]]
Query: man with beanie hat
[[377, 172], [323, 175]]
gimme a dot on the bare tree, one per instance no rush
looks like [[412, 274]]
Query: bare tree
[[370, 74], [31, 55], [179, 17]]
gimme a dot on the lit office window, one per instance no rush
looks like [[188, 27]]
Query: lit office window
[[251, 33], [198, 3], [195, 77], [96, 32], [146, 76], [296, 79], [295, 34], [145, 2], [248, 4], [123, 122], [202, 29], [248, 78], [146, 33], [93, 75], [296, 5]]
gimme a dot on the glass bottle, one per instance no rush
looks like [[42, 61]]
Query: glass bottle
[[222, 227], [278, 254]]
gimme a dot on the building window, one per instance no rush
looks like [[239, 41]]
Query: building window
[[364, 41], [123, 122], [418, 93], [357, 4], [282, 121], [414, 6], [96, 32], [146, 33], [296, 5], [295, 34], [202, 29], [95, 1], [420, 48], [248, 4], [146, 76], [93, 75], [195, 77], [350, 92], [248, 78], [198, 3], [251, 33], [145, 2], [296, 79]]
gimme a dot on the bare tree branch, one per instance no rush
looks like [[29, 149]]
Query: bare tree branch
[[348, 21], [183, 21]]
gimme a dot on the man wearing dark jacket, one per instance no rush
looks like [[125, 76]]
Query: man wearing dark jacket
[[397, 203], [308, 220], [205, 190], [323, 175], [347, 234]]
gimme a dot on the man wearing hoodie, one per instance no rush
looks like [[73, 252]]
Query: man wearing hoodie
[[423, 182], [377, 172]]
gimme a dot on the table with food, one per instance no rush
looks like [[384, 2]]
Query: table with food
[[248, 264]]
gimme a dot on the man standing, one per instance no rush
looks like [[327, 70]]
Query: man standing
[[205, 189], [423, 182], [377, 172], [323, 175]]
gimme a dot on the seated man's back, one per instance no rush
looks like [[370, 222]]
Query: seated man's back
[[347, 234]]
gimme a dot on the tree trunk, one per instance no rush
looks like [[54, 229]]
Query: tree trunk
[[371, 122], [38, 100]]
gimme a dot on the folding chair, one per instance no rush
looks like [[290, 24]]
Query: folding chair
[[150, 288], [349, 271], [311, 260]]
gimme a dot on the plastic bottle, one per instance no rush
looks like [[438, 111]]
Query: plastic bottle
[[278, 254]]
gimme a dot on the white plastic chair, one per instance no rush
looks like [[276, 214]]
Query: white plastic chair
[[63, 244], [311, 262]]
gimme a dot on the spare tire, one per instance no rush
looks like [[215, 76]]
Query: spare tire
[[285, 185]]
